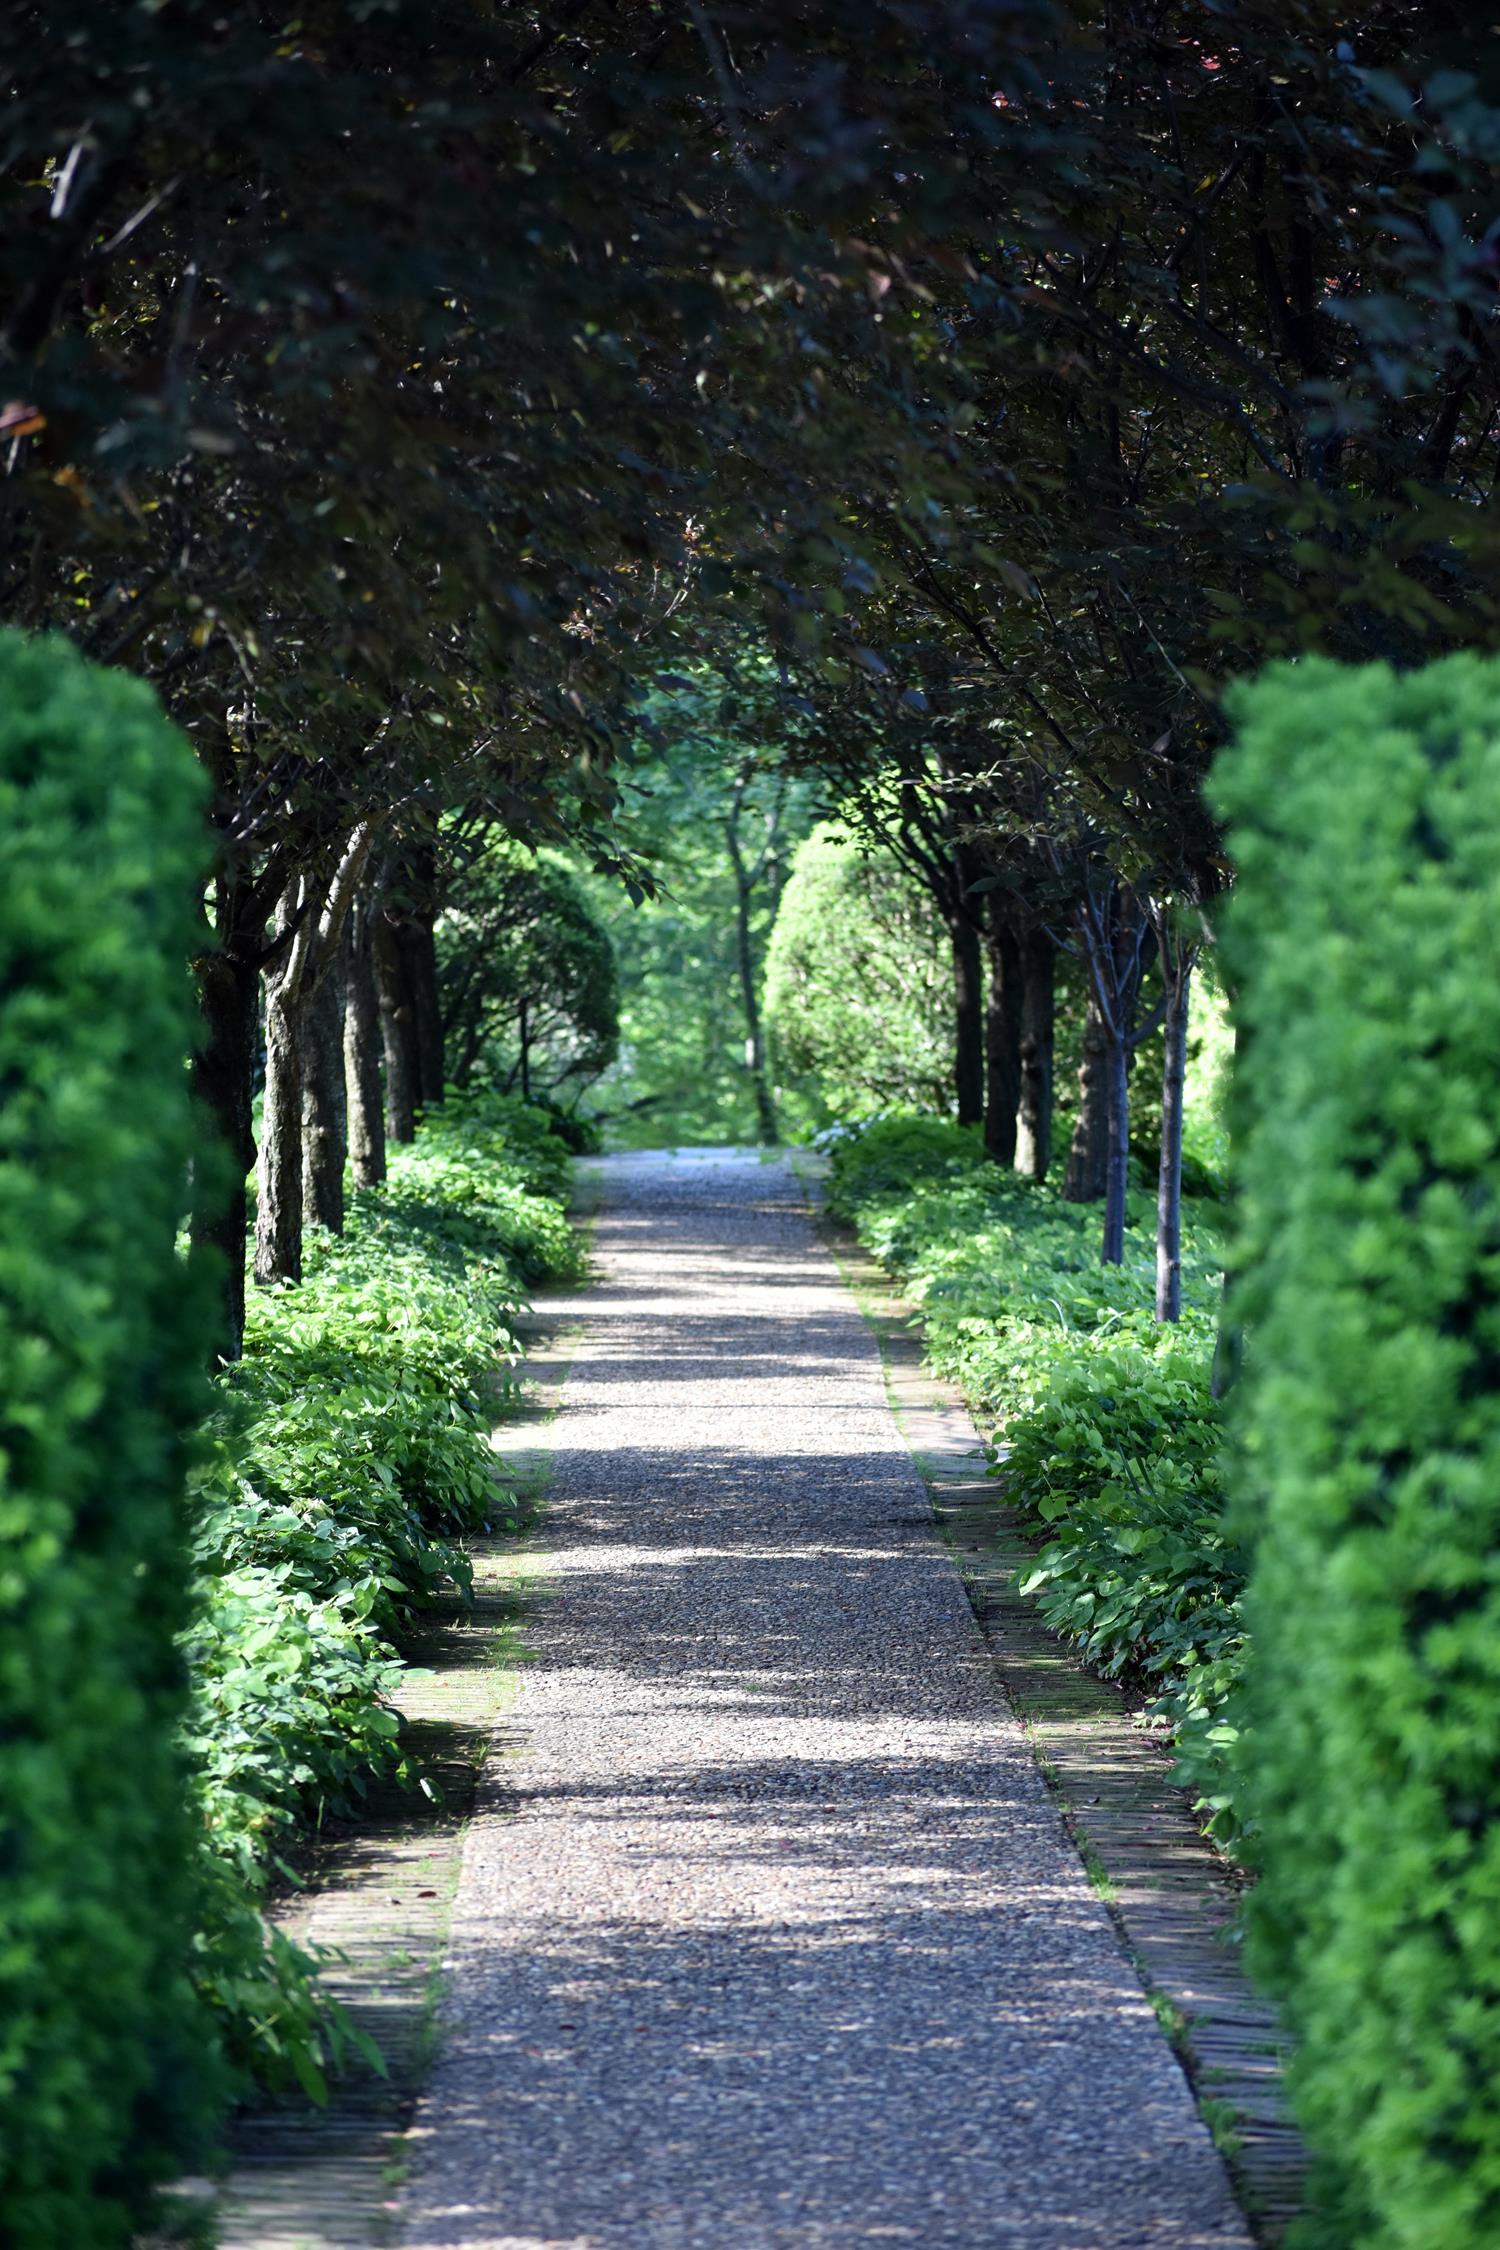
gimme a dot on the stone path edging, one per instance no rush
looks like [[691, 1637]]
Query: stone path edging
[[1171, 1895]]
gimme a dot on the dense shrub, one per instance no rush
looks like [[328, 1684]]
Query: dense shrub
[[351, 1466], [102, 2055], [1365, 812], [859, 980], [1106, 1435]]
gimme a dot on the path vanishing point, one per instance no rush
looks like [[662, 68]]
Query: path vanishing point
[[769, 1936]]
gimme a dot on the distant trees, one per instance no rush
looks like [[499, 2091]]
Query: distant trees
[[859, 990], [526, 975], [711, 813]]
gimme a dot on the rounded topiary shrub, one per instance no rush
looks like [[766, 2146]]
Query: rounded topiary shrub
[[102, 850], [1364, 950]]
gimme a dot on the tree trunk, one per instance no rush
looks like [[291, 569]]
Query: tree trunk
[[747, 874], [1038, 1009], [525, 1037], [364, 1096], [1113, 924], [1088, 1156], [1002, 1030], [1177, 974], [324, 1105], [223, 1078], [420, 952], [278, 1212], [1117, 1142], [310, 921], [767, 1126], [398, 1029], [968, 1020]]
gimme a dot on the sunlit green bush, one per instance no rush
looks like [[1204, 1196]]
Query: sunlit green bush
[[104, 2072], [1365, 950]]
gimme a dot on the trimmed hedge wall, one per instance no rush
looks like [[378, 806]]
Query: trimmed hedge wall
[[102, 849], [1364, 945]]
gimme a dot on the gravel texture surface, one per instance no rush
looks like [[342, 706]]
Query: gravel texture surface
[[771, 1939]]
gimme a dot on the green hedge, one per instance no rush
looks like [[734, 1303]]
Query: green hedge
[[102, 851], [1106, 1435], [1365, 943], [350, 1466]]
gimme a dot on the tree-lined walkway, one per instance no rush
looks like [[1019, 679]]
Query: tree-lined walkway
[[772, 1938]]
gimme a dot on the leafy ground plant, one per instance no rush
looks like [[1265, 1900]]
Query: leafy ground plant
[[346, 1469], [1104, 1431]]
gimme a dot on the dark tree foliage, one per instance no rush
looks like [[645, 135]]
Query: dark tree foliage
[[378, 380]]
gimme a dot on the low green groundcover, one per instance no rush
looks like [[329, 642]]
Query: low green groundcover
[[1105, 1431], [348, 1464]]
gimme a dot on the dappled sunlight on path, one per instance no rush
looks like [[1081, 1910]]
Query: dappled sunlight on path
[[770, 1938]]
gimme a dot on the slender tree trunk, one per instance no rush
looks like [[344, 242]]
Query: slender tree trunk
[[420, 951], [310, 920], [324, 1105], [747, 874], [1177, 978], [1038, 1010], [223, 1079], [525, 1047], [1002, 1030], [398, 1030], [767, 1126], [278, 1209], [1117, 1170], [363, 1093], [968, 1020], [1113, 924], [1088, 1156]]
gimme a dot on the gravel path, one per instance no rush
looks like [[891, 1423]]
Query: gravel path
[[771, 1939]]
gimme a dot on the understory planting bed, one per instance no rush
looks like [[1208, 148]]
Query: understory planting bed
[[1101, 1421], [348, 1465]]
